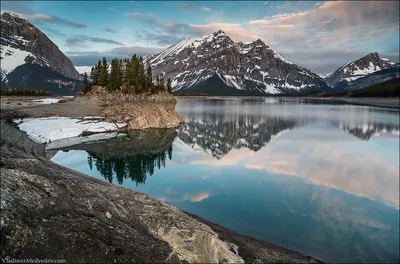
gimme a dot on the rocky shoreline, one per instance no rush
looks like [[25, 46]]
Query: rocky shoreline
[[49, 211], [138, 112]]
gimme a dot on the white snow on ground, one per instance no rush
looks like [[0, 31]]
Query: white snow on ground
[[12, 58], [48, 129], [46, 101], [83, 69]]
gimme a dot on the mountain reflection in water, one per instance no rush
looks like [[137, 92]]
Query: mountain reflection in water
[[320, 179]]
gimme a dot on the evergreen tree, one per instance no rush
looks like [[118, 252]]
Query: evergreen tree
[[97, 72], [122, 66], [128, 76], [141, 78], [149, 77], [136, 73], [162, 84], [86, 84], [93, 76], [157, 85], [115, 81], [169, 85], [103, 73]]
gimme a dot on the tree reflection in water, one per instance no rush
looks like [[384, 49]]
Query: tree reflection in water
[[135, 167], [133, 156]]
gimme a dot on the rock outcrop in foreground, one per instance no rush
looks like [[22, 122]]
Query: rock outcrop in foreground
[[138, 111], [48, 211]]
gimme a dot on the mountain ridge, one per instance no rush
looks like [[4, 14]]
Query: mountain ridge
[[250, 67], [341, 78]]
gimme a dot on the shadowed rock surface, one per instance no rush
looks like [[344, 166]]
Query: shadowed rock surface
[[48, 211]]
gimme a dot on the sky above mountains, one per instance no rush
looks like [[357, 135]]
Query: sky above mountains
[[320, 36]]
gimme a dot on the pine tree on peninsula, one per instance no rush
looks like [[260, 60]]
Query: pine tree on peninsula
[[128, 73], [115, 80], [169, 85], [104, 73], [86, 84]]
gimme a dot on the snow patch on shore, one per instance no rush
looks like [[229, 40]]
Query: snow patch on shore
[[46, 101], [66, 142], [47, 129]]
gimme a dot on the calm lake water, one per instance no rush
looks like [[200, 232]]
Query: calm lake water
[[321, 179]]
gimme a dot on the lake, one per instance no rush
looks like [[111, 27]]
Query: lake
[[318, 178]]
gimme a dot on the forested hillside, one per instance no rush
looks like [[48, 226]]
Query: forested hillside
[[389, 88]]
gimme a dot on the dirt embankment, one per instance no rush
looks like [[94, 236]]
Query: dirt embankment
[[138, 111]]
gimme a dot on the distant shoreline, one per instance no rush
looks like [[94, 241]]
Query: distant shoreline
[[386, 102]]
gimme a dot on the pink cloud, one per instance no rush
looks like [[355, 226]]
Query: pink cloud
[[259, 22], [341, 20], [196, 198], [279, 27]]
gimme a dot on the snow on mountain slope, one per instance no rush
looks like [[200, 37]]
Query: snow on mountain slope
[[375, 77], [24, 45], [215, 60], [351, 71], [83, 69], [12, 58]]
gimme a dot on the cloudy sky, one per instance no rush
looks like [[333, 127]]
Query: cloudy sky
[[320, 36]]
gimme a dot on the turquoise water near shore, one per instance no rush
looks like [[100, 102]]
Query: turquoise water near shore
[[321, 179]]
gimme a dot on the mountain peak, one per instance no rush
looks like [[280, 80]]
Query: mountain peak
[[216, 64], [259, 42], [7, 17], [24, 45], [351, 71], [371, 55]]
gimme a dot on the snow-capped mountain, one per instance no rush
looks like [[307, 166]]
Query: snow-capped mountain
[[215, 64], [23, 48], [374, 78], [351, 71]]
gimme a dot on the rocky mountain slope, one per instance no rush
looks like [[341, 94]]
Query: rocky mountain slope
[[217, 65], [351, 71], [374, 78], [23, 48]]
